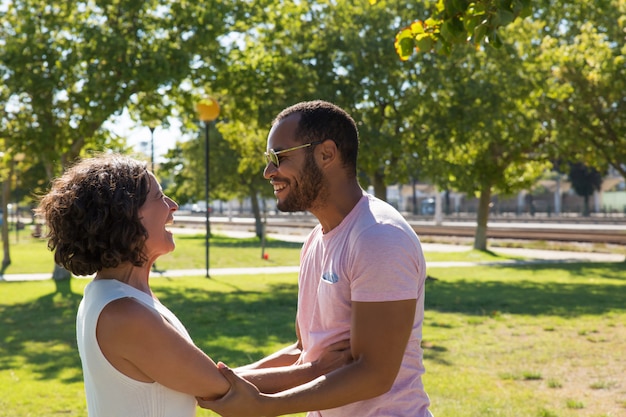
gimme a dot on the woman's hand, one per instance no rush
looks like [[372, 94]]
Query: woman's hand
[[333, 357], [242, 400]]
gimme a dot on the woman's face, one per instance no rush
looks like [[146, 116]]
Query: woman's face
[[156, 213]]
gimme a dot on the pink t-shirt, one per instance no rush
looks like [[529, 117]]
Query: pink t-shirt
[[373, 255]]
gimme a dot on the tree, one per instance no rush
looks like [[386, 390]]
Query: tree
[[457, 22], [486, 136], [572, 55], [583, 58], [68, 67], [266, 65], [277, 50], [382, 93], [585, 181], [184, 167]]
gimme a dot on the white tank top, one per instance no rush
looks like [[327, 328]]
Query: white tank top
[[109, 392]]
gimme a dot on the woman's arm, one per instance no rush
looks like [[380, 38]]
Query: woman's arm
[[144, 346]]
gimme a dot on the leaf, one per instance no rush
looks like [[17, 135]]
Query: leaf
[[417, 28], [505, 17], [494, 39], [522, 8], [404, 43], [480, 32], [432, 22], [424, 42], [440, 6], [453, 31]]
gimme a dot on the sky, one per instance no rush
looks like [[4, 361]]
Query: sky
[[139, 136]]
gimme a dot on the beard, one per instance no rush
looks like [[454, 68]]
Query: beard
[[305, 194]]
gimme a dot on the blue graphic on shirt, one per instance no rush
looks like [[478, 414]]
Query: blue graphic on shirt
[[330, 277]]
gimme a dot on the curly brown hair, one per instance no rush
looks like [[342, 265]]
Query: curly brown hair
[[92, 214]]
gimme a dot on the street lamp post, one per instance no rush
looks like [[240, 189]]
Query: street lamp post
[[152, 147], [208, 110], [152, 125]]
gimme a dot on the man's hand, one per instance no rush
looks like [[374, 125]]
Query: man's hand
[[242, 400]]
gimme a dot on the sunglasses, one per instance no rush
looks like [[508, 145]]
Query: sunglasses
[[271, 156]]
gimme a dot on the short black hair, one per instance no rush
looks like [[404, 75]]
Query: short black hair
[[320, 120]]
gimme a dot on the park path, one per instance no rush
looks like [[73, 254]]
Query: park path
[[530, 255]]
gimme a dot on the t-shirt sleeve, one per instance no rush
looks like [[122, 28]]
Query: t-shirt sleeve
[[387, 265]]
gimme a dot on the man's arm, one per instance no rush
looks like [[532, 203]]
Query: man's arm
[[379, 335], [283, 370], [279, 370], [285, 357]]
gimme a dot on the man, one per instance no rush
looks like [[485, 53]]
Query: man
[[361, 278]]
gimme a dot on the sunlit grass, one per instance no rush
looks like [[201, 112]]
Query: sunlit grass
[[514, 341], [534, 340]]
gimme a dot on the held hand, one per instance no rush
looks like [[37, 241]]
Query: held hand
[[333, 357], [242, 399]]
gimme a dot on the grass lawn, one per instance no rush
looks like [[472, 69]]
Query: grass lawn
[[515, 341], [527, 341]]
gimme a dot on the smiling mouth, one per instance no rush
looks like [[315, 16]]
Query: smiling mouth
[[278, 187]]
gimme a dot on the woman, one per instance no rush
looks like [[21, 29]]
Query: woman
[[108, 215]]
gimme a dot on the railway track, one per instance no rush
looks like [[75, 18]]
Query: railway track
[[560, 232], [529, 233]]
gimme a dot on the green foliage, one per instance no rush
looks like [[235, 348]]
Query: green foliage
[[571, 62], [184, 173], [457, 22], [67, 68], [470, 118], [583, 53], [585, 180]]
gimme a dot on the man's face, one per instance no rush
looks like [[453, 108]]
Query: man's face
[[298, 181]]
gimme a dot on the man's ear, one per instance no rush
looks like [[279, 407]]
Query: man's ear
[[328, 152]]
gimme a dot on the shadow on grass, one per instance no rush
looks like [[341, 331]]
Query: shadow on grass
[[42, 333], [233, 326], [216, 319], [534, 297]]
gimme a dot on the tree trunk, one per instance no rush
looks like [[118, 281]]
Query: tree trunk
[[557, 196], [60, 273], [380, 189], [438, 208], [480, 238], [6, 194], [586, 206], [414, 197], [258, 222]]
